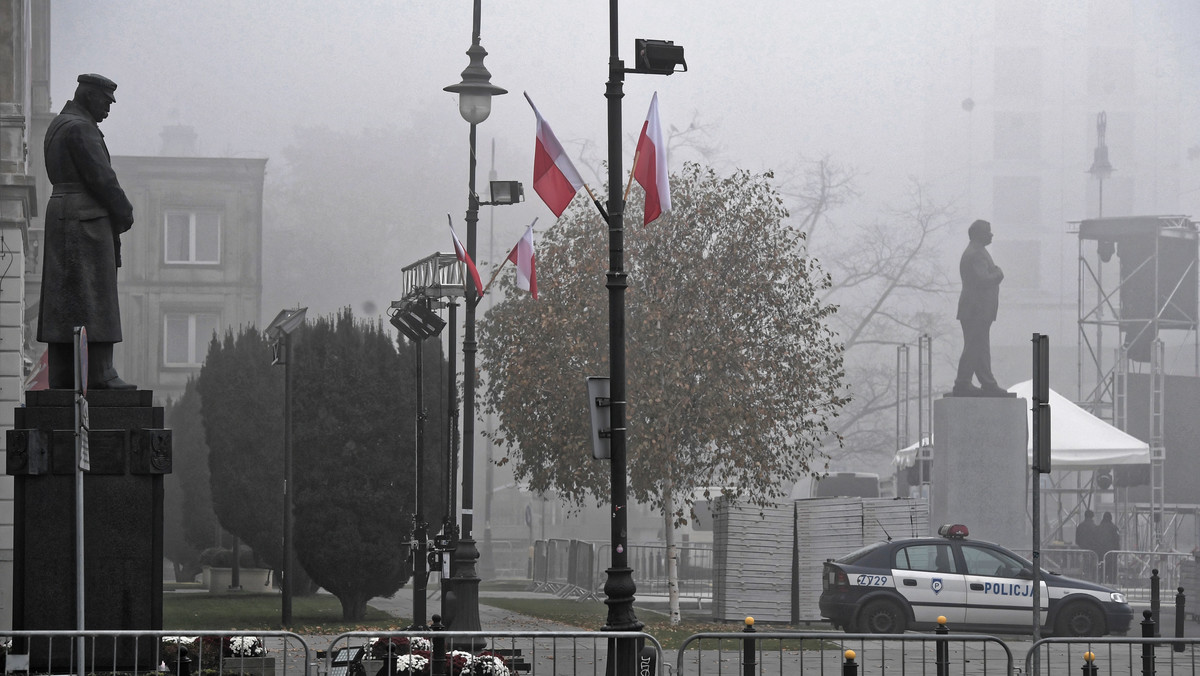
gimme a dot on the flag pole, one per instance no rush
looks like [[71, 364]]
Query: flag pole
[[599, 206], [632, 170], [496, 274]]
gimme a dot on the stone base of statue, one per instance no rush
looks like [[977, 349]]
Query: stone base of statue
[[980, 468], [130, 452]]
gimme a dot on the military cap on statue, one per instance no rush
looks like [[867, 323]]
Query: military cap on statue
[[99, 81]]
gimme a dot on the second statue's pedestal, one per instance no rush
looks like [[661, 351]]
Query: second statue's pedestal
[[980, 468]]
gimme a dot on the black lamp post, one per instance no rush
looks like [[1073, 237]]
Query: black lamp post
[[657, 57], [414, 318], [475, 94], [280, 332]]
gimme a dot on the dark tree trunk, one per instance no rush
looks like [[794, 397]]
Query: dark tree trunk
[[354, 607]]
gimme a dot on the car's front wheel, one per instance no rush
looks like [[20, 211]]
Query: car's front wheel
[[1080, 618], [882, 616]]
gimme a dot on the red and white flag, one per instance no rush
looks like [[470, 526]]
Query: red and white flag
[[463, 256], [650, 167], [554, 175], [522, 257]]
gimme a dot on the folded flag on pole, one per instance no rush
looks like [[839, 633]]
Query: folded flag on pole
[[650, 165], [522, 257], [554, 175], [463, 256]]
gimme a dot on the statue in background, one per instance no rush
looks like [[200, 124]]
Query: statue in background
[[977, 306]]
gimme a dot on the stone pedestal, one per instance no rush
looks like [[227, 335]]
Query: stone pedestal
[[123, 519], [980, 468]]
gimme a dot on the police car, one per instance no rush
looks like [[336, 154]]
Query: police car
[[889, 587]]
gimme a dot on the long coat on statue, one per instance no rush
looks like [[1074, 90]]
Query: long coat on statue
[[87, 212]]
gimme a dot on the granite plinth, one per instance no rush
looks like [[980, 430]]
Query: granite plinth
[[122, 503], [981, 468]]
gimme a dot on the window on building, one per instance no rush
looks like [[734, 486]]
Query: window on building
[[1020, 17], [1017, 201], [1018, 72], [186, 337], [193, 237], [1021, 260], [1110, 71], [1018, 136]]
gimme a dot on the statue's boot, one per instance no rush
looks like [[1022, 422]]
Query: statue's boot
[[101, 374]]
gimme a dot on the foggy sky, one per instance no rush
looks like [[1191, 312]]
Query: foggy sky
[[776, 80]]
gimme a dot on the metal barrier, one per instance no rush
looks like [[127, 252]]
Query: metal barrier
[[1129, 571], [694, 565], [252, 653], [1115, 655], [1082, 564], [541, 573], [581, 580], [753, 653], [509, 559], [558, 568], [537, 652]]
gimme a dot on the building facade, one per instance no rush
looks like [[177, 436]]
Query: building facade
[[192, 264]]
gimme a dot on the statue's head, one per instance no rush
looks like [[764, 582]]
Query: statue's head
[[980, 231], [96, 94]]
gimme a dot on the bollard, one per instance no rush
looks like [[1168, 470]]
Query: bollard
[[1148, 629], [183, 663], [1089, 665], [1155, 603], [1180, 616], [942, 659], [849, 667], [438, 658], [748, 652]]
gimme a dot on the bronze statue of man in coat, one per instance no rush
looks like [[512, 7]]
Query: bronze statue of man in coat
[[977, 306], [85, 217]]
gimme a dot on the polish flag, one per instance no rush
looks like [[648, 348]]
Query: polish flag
[[522, 257], [464, 257], [650, 167], [39, 379], [554, 175]]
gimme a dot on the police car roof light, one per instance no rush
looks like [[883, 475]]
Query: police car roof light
[[953, 530]]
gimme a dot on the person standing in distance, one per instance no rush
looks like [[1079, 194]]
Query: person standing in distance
[[85, 217], [977, 306]]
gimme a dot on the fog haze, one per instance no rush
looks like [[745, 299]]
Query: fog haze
[[866, 82]]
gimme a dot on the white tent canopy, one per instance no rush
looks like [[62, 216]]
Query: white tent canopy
[[1078, 439]]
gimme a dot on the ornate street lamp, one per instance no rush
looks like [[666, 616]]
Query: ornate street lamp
[[461, 603]]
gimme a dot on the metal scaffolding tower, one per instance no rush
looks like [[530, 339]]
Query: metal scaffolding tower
[[1155, 291]]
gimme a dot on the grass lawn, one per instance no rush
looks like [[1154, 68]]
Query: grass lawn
[[322, 614], [591, 615], [317, 614]]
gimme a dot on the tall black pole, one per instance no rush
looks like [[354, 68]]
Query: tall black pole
[[619, 588], [465, 582], [420, 536], [287, 481], [448, 525]]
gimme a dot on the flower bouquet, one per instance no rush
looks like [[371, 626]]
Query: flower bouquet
[[412, 664], [390, 646], [243, 646]]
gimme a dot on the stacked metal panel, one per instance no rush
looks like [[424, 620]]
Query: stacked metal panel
[[763, 562], [753, 565], [826, 528], [894, 519]]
